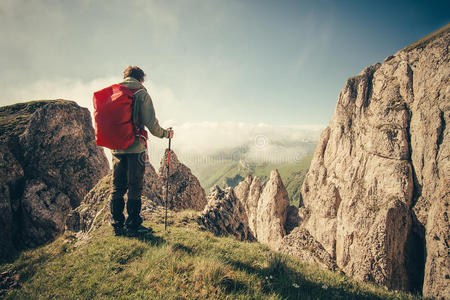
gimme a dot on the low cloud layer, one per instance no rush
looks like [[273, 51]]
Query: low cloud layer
[[207, 142], [196, 142]]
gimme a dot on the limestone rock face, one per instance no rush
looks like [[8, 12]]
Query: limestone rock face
[[272, 211], [266, 208], [49, 162], [185, 191], [377, 186], [248, 192], [224, 214], [437, 268]]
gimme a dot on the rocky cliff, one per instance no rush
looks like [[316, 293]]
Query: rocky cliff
[[376, 196], [49, 161]]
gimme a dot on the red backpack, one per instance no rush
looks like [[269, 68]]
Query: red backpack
[[113, 107]]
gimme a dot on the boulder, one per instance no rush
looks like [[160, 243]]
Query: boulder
[[49, 162], [59, 148], [225, 215]]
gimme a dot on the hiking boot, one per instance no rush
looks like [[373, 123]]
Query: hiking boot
[[119, 231], [140, 230]]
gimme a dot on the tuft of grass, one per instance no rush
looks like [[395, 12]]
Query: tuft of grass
[[181, 263]]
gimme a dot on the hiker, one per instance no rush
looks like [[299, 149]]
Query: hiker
[[129, 163]]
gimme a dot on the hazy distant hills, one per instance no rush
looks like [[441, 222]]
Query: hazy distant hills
[[228, 167]]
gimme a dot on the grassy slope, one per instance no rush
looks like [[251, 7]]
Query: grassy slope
[[184, 263], [292, 174]]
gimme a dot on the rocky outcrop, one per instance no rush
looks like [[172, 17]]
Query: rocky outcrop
[[272, 211], [377, 188], [49, 162], [266, 208], [185, 191], [225, 215], [248, 192]]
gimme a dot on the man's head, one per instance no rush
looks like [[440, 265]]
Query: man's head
[[135, 72]]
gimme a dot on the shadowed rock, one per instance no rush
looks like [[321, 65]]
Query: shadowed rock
[[225, 215], [301, 244], [12, 176], [50, 161]]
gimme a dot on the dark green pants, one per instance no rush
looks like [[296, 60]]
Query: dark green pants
[[128, 175]]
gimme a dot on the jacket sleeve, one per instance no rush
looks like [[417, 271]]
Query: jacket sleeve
[[149, 119]]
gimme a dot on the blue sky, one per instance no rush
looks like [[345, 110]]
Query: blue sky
[[280, 63]]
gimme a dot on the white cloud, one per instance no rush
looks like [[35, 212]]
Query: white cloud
[[191, 138], [163, 17], [69, 89], [195, 142]]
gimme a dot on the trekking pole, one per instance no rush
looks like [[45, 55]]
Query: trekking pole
[[167, 181]]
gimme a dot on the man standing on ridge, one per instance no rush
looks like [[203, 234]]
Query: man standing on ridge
[[129, 163]]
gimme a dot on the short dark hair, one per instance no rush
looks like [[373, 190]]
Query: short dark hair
[[135, 72]]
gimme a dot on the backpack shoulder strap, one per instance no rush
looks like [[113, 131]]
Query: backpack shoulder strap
[[137, 91], [137, 121]]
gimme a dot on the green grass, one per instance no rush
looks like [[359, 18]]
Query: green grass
[[182, 263]]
